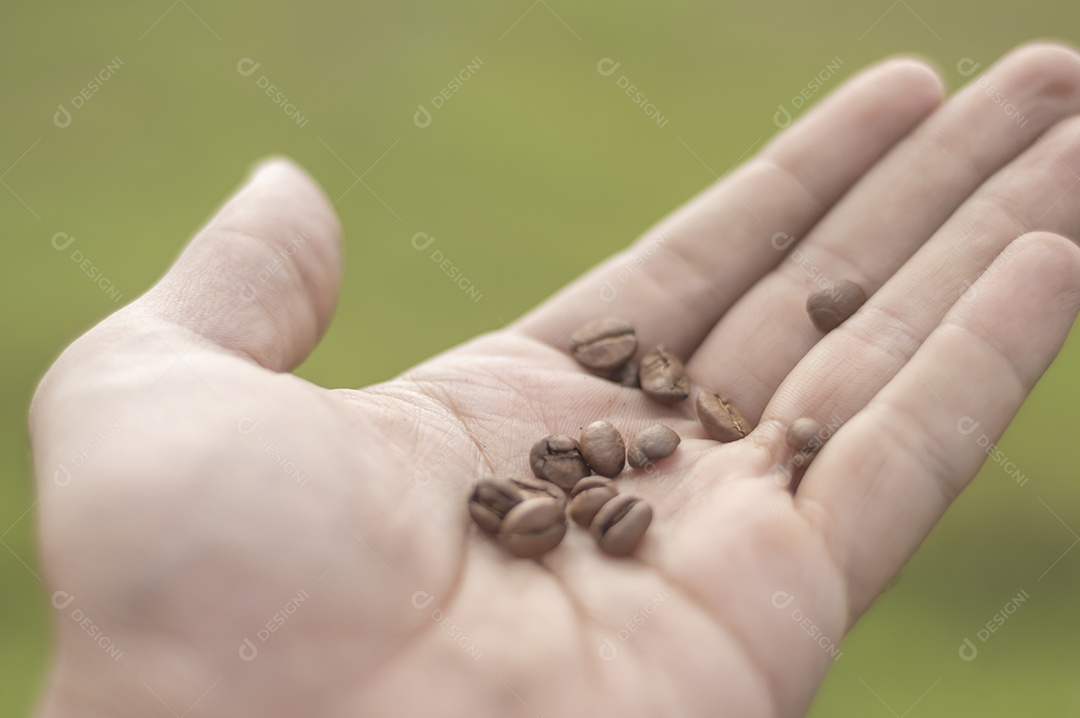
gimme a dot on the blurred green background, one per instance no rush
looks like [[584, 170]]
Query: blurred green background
[[536, 169]]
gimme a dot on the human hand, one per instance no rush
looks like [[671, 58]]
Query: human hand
[[185, 533]]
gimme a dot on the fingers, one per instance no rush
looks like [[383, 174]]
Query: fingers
[[881, 223], [681, 276], [261, 279], [887, 476], [850, 365]]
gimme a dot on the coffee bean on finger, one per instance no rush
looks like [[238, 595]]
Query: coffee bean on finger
[[806, 436], [605, 344], [663, 377], [830, 307], [720, 418]]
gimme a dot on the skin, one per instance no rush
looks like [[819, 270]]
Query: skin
[[183, 535]]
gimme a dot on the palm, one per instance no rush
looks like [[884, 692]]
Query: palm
[[707, 497], [238, 496], [565, 618]]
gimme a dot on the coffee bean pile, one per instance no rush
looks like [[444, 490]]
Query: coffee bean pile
[[573, 477], [529, 515]]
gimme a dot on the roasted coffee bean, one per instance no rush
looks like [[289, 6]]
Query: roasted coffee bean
[[534, 488], [720, 419], [663, 377], [557, 458], [620, 523], [533, 527], [652, 444], [590, 482], [603, 448], [806, 436], [492, 499], [830, 307], [588, 496], [604, 344]]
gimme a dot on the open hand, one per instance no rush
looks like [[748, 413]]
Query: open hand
[[243, 542]]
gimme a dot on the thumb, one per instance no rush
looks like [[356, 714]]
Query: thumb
[[262, 278]]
